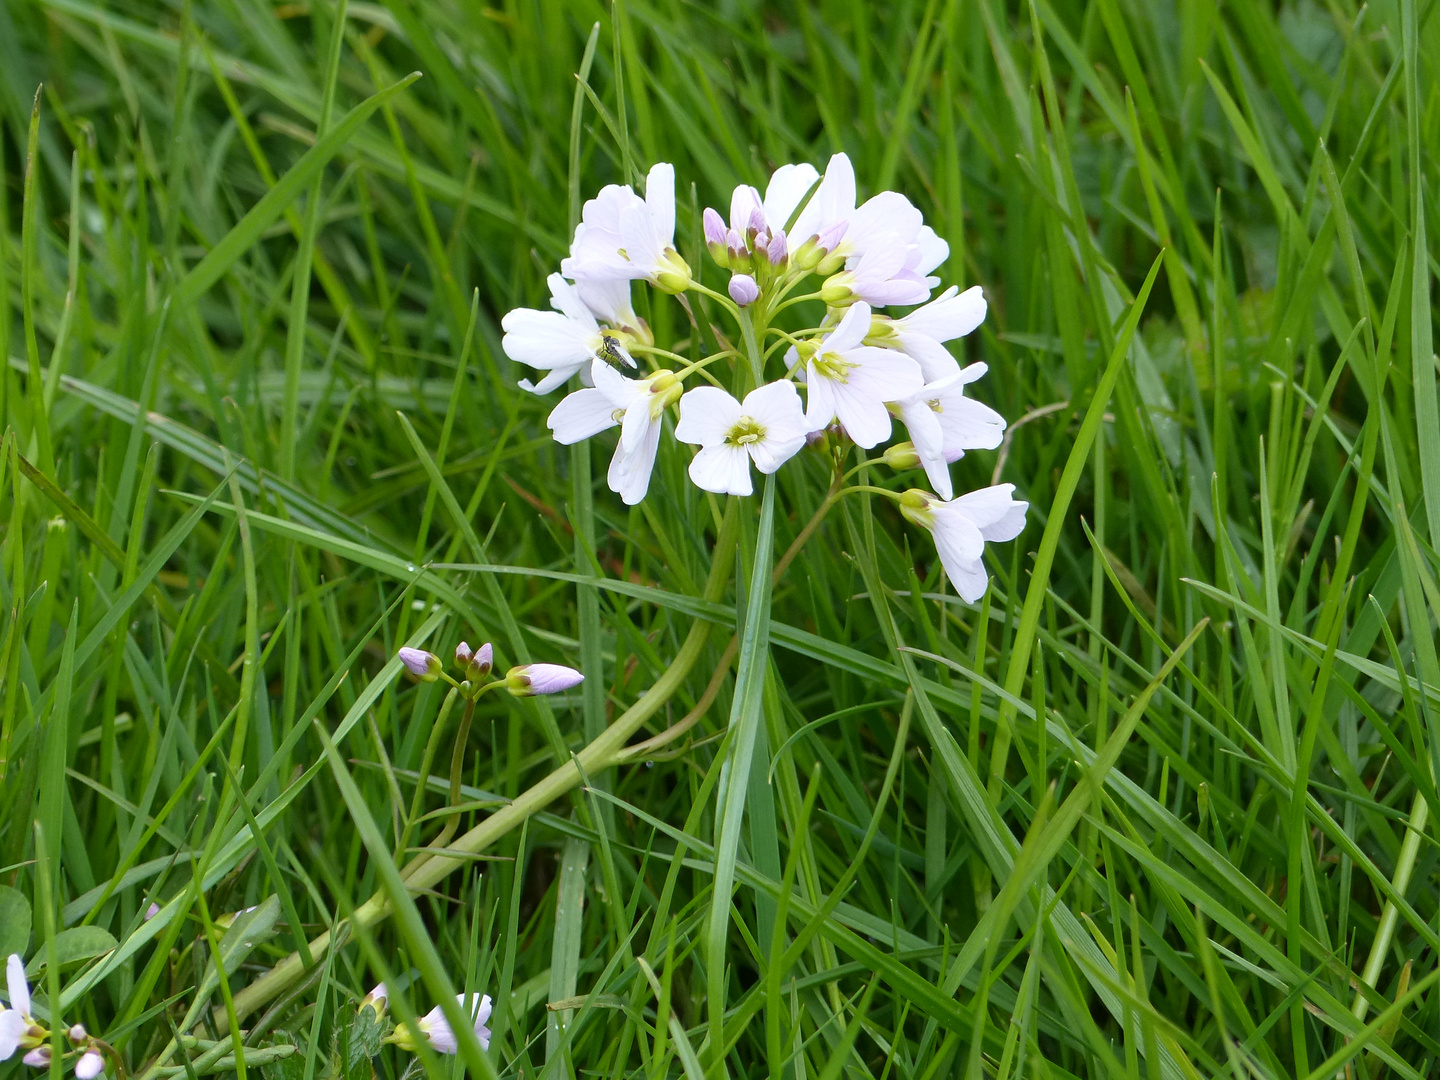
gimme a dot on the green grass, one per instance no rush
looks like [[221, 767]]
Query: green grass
[[1163, 804]]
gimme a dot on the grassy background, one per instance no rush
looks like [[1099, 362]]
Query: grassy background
[[1047, 856]]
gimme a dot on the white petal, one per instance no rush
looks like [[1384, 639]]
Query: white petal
[[833, 200], [937, 471], [12, 1026], [924, 427], [863, 414], [743, 200], [934, 359], [885, 219], [852, 329], [438, 1031], [547, 339], [788, 185], [609, 300], [16, 984], [566, 299], [929, 251], [660, 200], [629, 475], [641, 240], [776, 448], [820, 399], [956, 537], [482, 1014], [707, 414], [636, 426], [949, 315], [581, 415], [969, 579], [970, 372], [483, 1034], [969, 425], [621, 391], [884, 373], [723, 469], [775, 405], [998, 516]]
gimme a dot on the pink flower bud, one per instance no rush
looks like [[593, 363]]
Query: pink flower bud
[[481, 662], [39, 1058], [714, 227], [89, 1066], [423, 665], [152, 911], [743, 289], [778, 249], [463, 654], [528, 680]]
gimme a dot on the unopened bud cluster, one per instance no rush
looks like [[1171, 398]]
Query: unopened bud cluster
[[474, 668]]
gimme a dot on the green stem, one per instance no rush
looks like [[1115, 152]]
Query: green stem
[[600, 754], [1385, 934], [457, 766], [752, 347], [432, 747]]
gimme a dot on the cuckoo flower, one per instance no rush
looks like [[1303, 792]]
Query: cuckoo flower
[[850, 381], [561, 342], [944, 423], [438, 1032], [768, 428], [962, 526], [622, 236], [637, 405]]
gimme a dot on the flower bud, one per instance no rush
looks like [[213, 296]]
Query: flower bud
[[836, 290], [901, 456], [675, 278], [425, 666], [481, 663], [915, 506], [819, 439], [779, 249], [755, 226], [463, 653], [39, 1058], [715, 236], [737, 251], [77, 1034], [90, 1065], [152, 911], [376, 1000], [528, 680], [743, 289]]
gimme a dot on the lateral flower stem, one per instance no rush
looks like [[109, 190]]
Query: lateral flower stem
[[718, 297], [871, 488], [655, 350], [693, 366]]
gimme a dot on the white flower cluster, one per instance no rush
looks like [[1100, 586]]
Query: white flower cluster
[[19, 1030], [859, 369]]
